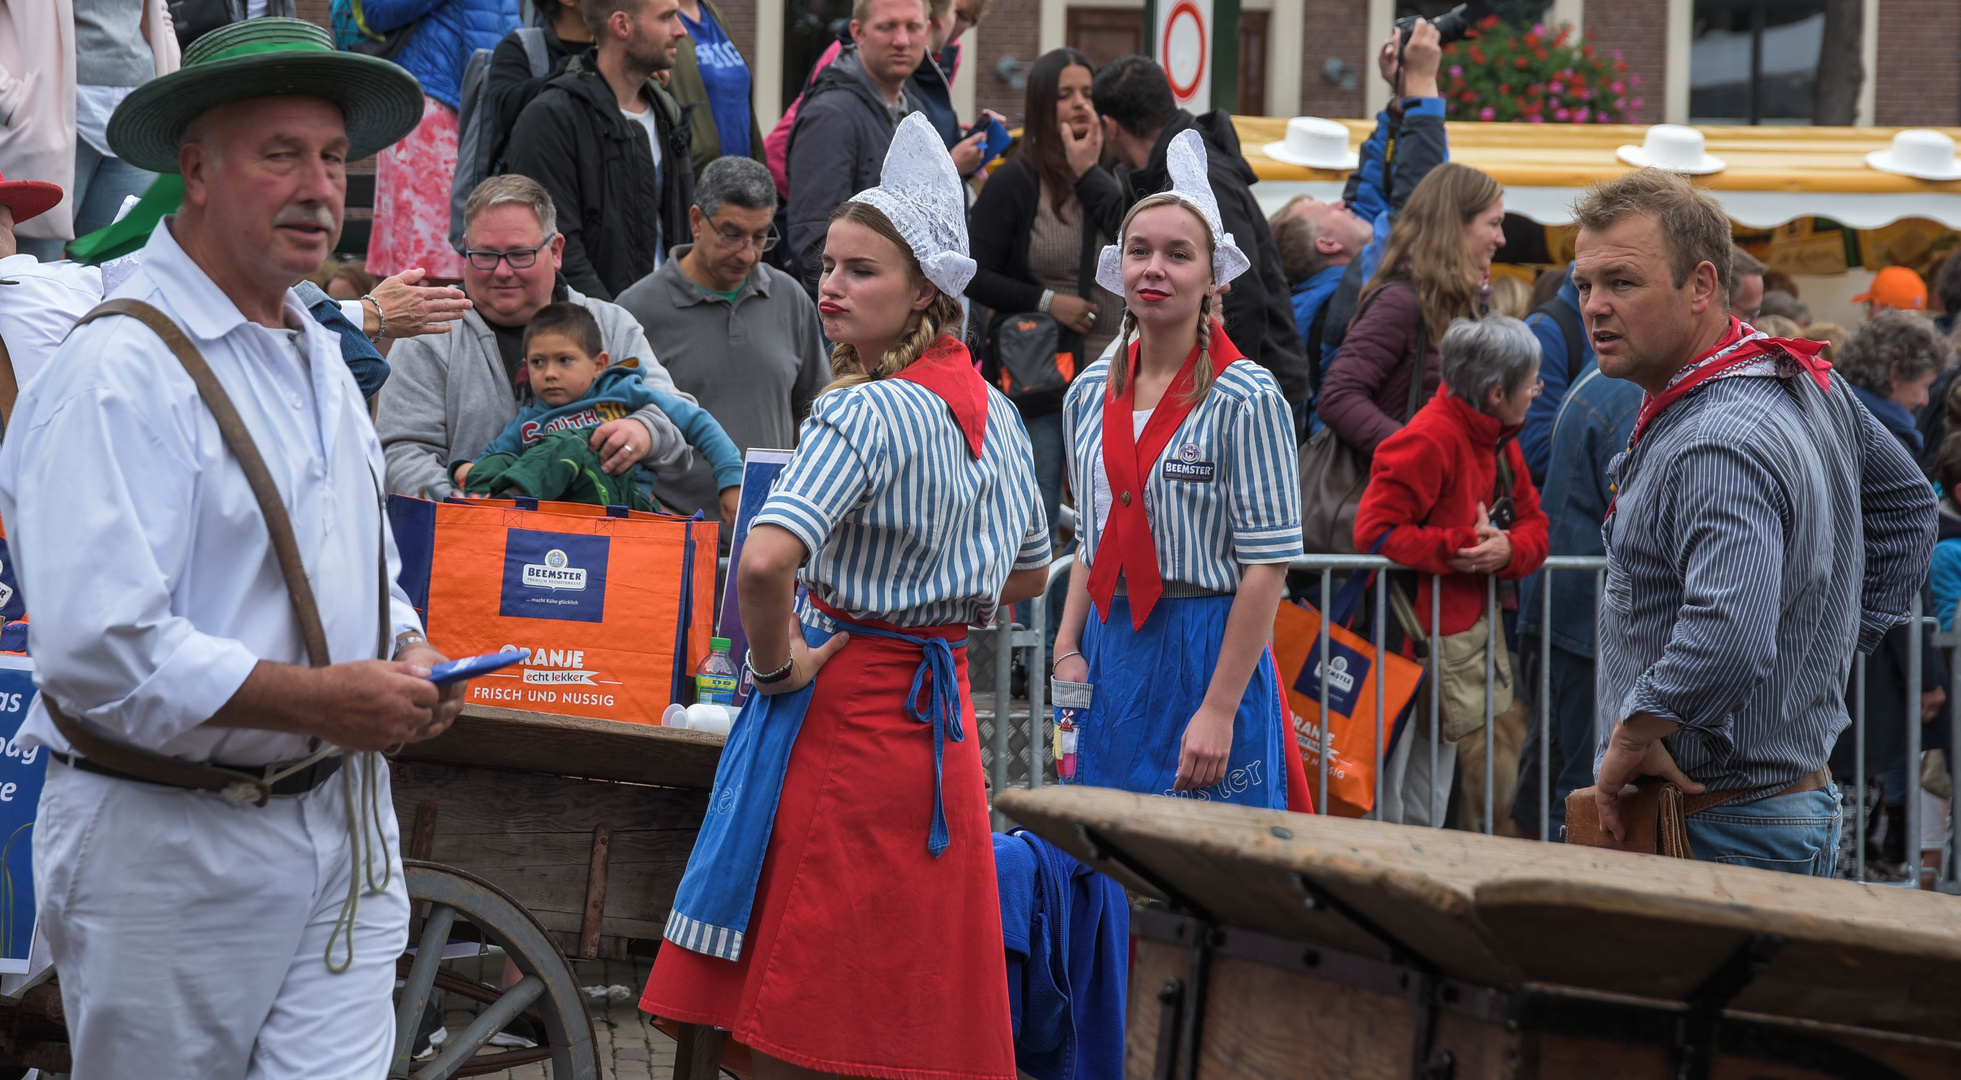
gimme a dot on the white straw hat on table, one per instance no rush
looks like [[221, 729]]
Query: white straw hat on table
[[1185, 160], [1674, 148], [1920, 153], [1315, 143]]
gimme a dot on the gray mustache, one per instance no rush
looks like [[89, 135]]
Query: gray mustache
[[306, 214]]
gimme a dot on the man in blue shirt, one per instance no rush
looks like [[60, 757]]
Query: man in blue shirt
[[1565, 356], [1349, 235], [709, 71]]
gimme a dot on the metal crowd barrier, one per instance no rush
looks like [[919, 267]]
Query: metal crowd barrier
[[1034, 641]]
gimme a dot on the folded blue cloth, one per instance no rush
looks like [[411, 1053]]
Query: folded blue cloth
[[1066, 931]]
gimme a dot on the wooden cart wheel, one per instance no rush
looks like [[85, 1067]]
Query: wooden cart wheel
[[548, 994]]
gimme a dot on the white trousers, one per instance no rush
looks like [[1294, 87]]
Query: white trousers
[[190, 934], [1411, 793]]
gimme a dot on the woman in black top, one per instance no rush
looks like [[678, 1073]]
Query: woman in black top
[[1037, 228]]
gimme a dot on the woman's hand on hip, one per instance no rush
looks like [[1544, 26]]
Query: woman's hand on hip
[[805, 662], [1203, 751]]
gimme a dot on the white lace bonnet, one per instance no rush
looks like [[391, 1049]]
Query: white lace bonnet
[[920, 191], [1185, 159]]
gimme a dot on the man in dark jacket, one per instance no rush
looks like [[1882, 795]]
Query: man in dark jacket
[[611, 146], [846, 121], [510, 84], [1140, 118]]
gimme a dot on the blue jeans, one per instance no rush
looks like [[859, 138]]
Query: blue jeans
[[1796, 833]]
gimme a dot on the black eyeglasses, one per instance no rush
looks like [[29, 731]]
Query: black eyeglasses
[[519, 258], [737, 238]]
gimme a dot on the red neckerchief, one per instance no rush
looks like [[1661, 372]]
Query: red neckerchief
[[947, 370], [1733, 351], [1127, 546]]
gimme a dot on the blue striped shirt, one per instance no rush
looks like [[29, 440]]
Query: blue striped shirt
[[1763, 531], [902, 522], [1225, 493]]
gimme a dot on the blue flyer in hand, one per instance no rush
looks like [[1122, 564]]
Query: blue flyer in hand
[[21, 775]]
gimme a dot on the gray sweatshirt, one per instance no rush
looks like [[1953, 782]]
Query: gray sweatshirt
[[447, 398]]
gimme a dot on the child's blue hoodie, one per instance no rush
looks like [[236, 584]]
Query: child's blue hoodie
[[616, 394]]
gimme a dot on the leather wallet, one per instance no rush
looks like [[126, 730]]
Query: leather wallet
[[1653, 818]]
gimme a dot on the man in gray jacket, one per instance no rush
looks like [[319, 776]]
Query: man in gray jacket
[[450, 394]]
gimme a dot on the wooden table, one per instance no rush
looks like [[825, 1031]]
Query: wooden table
[[1301, 946], [586, 823]]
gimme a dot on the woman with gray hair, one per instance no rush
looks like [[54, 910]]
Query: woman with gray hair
[[1890, 362], [1449, 495]]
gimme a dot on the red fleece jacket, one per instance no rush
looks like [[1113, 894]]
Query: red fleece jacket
[[1426, 483]]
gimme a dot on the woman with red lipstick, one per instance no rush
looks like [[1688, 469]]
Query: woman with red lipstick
[[1182, 456], [1436, 268], [840, 913]]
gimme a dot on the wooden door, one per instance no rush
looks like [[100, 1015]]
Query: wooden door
[[1106, 34], [1252, 63]]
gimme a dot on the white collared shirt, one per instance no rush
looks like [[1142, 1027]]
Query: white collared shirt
[[151, 582], [39, 303]]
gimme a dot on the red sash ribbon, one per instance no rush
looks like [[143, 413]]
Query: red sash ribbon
[[1127, 548]]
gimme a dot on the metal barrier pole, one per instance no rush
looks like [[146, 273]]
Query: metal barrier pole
[[1545, 705], [1436, 701], [1381, 683], [1951, 857], [1911, 820], [1859, 763], [1491, 638], [1003, 687], [1038, 689], [1324, 741]]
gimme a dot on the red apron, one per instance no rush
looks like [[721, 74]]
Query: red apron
[[866, 956]]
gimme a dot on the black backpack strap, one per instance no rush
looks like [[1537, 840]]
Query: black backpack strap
[[1418, 369], [1569, 328]]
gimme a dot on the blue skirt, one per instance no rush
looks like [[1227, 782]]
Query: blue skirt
[[1148, 684]]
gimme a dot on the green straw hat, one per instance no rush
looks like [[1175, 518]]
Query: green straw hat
[[264, 57]]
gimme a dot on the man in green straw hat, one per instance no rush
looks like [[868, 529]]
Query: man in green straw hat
[[217, 870]]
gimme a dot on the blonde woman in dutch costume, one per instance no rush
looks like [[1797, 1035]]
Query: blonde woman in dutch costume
[[840, 914], [1183, 457]]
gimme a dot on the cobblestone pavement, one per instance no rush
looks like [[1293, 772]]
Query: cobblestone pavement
[[630, 1048]]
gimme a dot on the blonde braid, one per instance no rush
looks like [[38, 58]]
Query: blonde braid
[[1202, 373], [848, 368], [1120, 360]]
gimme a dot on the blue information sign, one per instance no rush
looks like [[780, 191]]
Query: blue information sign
[[21, 775]]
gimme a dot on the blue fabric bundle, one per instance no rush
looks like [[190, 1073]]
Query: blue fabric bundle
[[1066, 929]]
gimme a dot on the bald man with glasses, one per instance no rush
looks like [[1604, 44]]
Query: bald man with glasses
[[451, 394], [739, 335]]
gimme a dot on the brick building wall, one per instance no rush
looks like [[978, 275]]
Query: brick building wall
[[1012, 28], [315, 11], [1334, 29], [741, 25], [1639, 29], [1919, 64]]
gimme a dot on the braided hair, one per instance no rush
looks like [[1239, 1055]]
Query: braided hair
[[1202, 375], [942, 316]]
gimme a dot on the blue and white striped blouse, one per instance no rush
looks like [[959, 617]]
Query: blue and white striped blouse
[[1226, 491], [903, 523]]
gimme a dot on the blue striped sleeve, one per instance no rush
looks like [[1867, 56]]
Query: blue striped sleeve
[[1266, 488], [839, 461]]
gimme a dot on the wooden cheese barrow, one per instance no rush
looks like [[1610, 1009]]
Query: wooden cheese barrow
[[1286, 945]]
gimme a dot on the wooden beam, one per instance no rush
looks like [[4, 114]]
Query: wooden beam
[[602, 844], [574, 746], [698, 1053]]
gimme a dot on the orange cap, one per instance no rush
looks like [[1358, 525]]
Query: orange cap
[[1896, 287]]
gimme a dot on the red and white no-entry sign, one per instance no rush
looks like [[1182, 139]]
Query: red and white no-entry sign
[[1184, 41]]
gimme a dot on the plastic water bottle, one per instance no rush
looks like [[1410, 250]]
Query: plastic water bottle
[[715, 679]]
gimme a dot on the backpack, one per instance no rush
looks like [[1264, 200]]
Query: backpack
[[351, 33], [481, 133]]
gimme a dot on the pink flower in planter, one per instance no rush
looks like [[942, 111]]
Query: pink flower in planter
[[1634, 79], [1487, 113], [1580, 115], [1456, 71], [1557, 87], [1535, 118], [1617, 86], [1563, 115], [1635, 104]]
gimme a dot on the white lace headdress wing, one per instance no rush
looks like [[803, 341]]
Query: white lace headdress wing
[[1186, 161], [920, 191]]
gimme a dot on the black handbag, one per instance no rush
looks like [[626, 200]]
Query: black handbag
[[1031, 353]]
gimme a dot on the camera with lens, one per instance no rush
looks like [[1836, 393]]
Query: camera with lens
[[1452, 25]]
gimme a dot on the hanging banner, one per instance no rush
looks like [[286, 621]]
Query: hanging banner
[[1182, 40], [21, 775]]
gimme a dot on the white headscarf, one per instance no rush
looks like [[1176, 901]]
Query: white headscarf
[[919, 189], [1185, 159]]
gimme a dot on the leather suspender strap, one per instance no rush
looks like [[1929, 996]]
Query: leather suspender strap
[[239, 440], [144, 765]]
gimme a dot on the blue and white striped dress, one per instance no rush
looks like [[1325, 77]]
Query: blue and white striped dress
[[903, 523], [1224, 494]]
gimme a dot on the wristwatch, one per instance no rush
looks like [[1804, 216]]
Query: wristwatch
[[406, 640]]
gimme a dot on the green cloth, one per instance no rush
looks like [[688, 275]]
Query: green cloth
[[562, 467], [133, 231], [727, 297]]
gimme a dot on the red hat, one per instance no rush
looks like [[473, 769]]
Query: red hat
[[1896, 287], [29, 198]]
